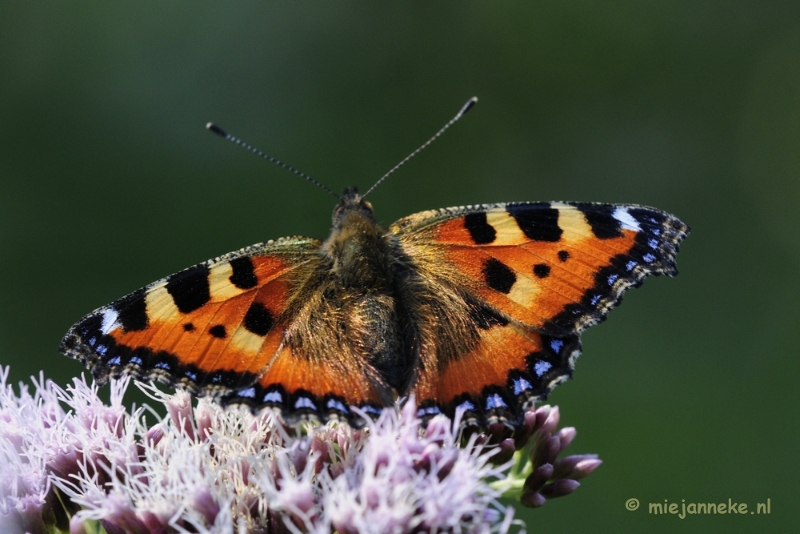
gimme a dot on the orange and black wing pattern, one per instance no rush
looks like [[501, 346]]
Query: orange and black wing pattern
[[532, 276], [478, 308], [218, 329]]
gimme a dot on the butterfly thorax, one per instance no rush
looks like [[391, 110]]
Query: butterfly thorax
[[355, 315], [356, 249]]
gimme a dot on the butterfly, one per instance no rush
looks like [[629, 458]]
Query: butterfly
[[476, 309]]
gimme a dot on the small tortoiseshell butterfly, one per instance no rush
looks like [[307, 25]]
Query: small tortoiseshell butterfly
[[475, 307]]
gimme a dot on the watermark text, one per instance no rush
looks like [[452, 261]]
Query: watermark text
[[683, 508]]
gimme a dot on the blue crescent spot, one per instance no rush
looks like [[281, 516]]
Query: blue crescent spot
[[334, 404], [630, 265], [162, 365], [115, 361], [249, 393], [495, 401], [520, 385], [137, 360], [304, 402], [466, 406], [557, 345], [541, 367], [429, 410], [649, 258], [273, 396]]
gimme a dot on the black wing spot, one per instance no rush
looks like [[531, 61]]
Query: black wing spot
[[189, 288], [244, 276], [218, 331], [479, 229], [189, 327], [601, 218], [537, 221], [498, 275], [563, 255], [258, 319], [541, 270], [132, 310]]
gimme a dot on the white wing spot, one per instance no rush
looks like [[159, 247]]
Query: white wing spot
[[621, 214], [110, 316]]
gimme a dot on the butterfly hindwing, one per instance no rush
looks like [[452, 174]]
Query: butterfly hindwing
[[314, 387], [547, 271], [509, 368]]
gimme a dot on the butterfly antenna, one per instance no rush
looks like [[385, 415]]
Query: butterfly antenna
[[222, 133], [466, 107]]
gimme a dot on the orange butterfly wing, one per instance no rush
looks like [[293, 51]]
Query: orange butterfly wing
[[218, 328], [538, 274]]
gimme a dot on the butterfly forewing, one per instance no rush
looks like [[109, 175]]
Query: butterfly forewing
[[209, 328]]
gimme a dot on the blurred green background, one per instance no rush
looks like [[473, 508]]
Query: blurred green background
[[108, 181]]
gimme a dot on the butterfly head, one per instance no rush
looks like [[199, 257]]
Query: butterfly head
[[352, 206]]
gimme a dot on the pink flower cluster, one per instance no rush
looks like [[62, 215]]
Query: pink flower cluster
[[69, 461]]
